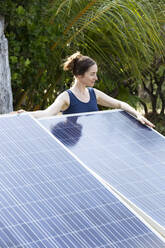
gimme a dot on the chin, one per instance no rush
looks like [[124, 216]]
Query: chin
[[91, 85]]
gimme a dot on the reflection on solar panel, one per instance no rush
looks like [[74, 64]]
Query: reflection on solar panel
[[127, 155], [48, 199]]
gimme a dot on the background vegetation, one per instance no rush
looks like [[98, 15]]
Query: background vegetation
[[125, 37]]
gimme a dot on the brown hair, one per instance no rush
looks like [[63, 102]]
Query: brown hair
[[78, 64]]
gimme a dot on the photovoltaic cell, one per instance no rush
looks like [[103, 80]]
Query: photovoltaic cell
[[48, 199], [126, 154]]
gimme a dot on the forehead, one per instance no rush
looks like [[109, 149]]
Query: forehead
[[93, 68]]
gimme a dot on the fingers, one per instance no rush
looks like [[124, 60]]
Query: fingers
[[20, 111], [150, 124], [144, 121], [13, 113], [147, 122]]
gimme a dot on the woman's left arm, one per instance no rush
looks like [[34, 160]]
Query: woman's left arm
[[107, 101]]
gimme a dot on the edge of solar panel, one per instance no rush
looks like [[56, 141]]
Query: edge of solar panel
[[129, 204], [156, 226], [60, 116]]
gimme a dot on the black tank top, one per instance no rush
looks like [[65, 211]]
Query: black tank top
[[77, 106]]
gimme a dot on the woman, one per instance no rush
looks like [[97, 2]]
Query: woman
[[82, 97]]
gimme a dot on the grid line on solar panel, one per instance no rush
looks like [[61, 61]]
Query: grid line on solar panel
[[43, 212], [126, 154]]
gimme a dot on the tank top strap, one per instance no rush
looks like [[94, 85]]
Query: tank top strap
[[92, 94], [73, 98]]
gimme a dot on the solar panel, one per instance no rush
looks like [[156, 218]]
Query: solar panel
[[48, 199], [126, 154]]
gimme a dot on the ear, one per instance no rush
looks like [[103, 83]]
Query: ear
[[79, 76]]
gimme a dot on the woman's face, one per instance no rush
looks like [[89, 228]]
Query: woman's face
[[89, 77]]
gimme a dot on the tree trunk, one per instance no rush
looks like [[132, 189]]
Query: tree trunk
[[6, 99]]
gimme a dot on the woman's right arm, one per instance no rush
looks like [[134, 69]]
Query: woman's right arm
[[60, 104]]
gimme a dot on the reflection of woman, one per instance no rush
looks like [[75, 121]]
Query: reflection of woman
[[82, 97], [68, 132]]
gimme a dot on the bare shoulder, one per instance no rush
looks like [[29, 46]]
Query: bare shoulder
[[106, 100], [64, 97], [60, 104], [96, 90], [99, 93]]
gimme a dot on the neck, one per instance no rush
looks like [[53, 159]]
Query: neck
[[77, 86]]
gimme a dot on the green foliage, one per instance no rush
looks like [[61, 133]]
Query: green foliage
[[122, 36], [29, 48], [159, 121]]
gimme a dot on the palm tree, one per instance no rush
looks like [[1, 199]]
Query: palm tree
[[126, 30], [120, 35]]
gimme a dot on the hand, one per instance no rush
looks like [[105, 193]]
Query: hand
[[144, 121], [20, 111]]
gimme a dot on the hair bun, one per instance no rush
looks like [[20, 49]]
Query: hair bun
[[71, 60]]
